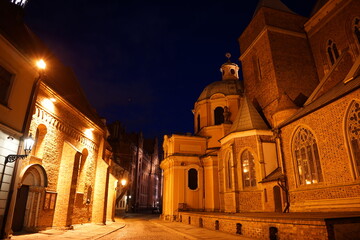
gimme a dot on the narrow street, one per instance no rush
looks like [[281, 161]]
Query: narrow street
[[140, 226]]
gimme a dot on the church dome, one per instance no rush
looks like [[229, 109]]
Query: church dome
[[228, 87]]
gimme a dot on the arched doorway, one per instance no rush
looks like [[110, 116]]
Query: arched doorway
[[33, 183]]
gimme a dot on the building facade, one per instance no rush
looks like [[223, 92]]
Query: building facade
[[285, 139], [140, 158], [68, 176]]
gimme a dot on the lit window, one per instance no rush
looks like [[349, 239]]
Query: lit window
[[332, 52], [248, 169], [353, 132], [306, 157], [5, 85]]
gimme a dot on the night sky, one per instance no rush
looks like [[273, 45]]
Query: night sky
[[145, 63]]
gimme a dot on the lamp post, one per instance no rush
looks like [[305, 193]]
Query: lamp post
[[28, 144]]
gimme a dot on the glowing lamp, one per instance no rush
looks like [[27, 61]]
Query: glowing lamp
[[123, 182], [28, 144], [41, 64]]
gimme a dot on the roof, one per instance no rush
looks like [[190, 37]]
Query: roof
[[273, 176], [228, 87], [341, 89], [247, 118], [285, 102], [319, 4], [274, 4], [58, 76]]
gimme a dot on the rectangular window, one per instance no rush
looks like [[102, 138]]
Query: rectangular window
[[50, 200], [5, 85]]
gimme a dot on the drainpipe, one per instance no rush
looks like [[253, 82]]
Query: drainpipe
[[282, 182]]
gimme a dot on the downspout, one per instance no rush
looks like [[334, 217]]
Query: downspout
[[282, 182]]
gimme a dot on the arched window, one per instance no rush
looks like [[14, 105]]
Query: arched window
[[193, 179], [219, 115], [357, 29], [353, 134], [229, 170], [332, 52], [306, 157], [38, 149], [248, 169], [198, 122]]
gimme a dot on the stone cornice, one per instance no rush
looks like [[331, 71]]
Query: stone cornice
[[69, 106], [248, 133], [66, 128]]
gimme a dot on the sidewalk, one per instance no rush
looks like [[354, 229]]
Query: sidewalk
[[191, 232], [80, 231]]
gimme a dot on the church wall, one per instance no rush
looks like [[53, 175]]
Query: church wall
[[259, 77], [339, 190], [211, 184], [288, 53], [337, 26], [59, 154]]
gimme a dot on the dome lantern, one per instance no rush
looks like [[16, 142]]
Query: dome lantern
[[229, 70]]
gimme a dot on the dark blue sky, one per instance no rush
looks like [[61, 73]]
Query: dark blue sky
[[145, 63]]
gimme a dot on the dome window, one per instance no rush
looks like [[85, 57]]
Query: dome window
[[219, 115]]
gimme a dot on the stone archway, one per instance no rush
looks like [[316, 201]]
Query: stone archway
[[33, 183]]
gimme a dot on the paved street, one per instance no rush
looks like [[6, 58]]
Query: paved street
[[140, 226], [132, 226]]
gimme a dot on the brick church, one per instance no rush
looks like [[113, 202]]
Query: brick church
[[285, 139]]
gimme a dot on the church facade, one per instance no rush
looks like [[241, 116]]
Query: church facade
[[285, 138]]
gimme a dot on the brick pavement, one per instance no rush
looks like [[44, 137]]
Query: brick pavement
[[80, 231]]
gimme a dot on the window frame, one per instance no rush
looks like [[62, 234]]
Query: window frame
[[218, 118], [5, 101], [252, 168], [308, 155], [197, 179], [353, 115], [332, 52]]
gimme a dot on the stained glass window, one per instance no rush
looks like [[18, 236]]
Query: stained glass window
[[307, 158], [353, 131], [248, 169]]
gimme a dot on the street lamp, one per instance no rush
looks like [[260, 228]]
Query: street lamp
[[41, 64], [123, 182], [28, 144]]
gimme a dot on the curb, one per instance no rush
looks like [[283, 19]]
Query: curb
[[105, 234], [187, 236]]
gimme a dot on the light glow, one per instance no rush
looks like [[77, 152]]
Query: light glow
[[48, 104], [41, 64], [89, 132], [123, 182]]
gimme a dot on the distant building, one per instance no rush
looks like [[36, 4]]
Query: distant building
[[67, 178], [283, 139], [140, 157]]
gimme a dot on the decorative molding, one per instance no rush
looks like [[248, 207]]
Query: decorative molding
[[69, 130]]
